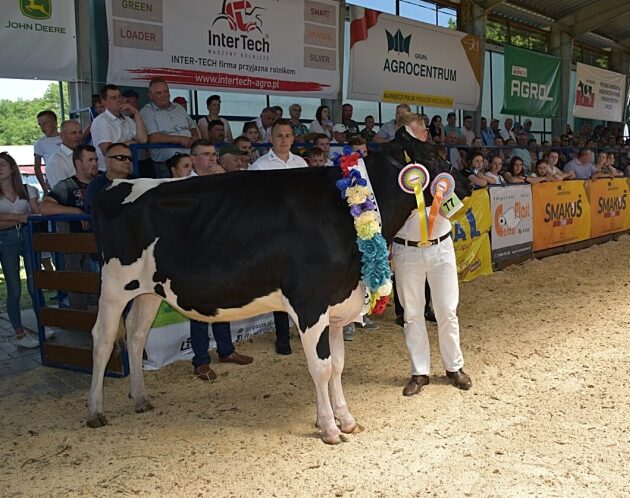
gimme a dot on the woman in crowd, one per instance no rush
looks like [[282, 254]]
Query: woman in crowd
[[493, 175], [213, 104], [180, 166], [515, 172], [436, 130], [608, 166], [17, 202], [475, 170], [498, 143], [322, 123], [554, 161], [542, 174]]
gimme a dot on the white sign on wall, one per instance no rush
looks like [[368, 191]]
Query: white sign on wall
[[512, 222], [38, 40], [393, 59], [252, 46], [599, 94]]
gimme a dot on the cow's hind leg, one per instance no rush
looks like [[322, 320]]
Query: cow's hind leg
[[138, 324], [108, 323], [317, 350], [347, 422]]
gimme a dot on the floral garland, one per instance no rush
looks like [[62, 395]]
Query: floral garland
[[375, 270]]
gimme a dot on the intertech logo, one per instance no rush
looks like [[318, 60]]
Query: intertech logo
[[398, 42], [240, 15], [36, 9]]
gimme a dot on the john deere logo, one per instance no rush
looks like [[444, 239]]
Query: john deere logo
[[398, 43], [36, 9]]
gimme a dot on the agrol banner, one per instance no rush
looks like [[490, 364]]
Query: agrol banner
[[532, 83], [562, 213], [609, 205], [471, 228], [393, 59], [512, 223], [253, 46], [38, 40], [599, 94], [169, 337]]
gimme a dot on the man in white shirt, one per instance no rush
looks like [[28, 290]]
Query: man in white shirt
[[467, 130], [506, 132], [166, 122], [119, 123], [437, 264], [387, 132], [60, 165], [45, 146], [265, 121], [280, 155]]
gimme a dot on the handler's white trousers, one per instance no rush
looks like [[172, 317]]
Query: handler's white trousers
[[437, 264]]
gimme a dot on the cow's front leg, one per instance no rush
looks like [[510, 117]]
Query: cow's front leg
[[317, 350], [340, 408], [138, 324]]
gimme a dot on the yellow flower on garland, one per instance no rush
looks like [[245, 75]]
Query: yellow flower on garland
[[357, 195], [367, 224]]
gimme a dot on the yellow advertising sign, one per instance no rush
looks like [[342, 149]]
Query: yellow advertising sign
[[562, 213], [471, 227], [609, 205], [397, 97]]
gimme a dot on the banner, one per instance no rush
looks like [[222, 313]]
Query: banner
[[169, 337], [609, 206], [393, 59], [471, 236], [562, 213], [38, 40], [532, 83], [599, 94], [253, 46], [512, 223]]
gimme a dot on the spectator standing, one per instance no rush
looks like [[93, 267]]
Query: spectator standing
[[527, 128], [368, 132], [322, 123], [387, 132], [17, 202], [60, 166], [213, 104], [166, 122], [468, 135], [352, 126], [117, 167], [120, 122], [487, 135], [522, 151], [45, 146], [451, 120], [453, 152]]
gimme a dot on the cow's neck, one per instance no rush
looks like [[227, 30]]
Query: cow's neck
[[394, 205]]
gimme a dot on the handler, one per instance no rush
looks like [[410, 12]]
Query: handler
[[436, 263]]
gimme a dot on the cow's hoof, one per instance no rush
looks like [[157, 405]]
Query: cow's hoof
[[97, 421], [335, 439], [354, 430], [143, 407]]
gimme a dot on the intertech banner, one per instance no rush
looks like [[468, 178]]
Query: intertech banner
[[251, 46], [393, 59], [471, 236], [562, 213], [532, 83], [610, 212], [38, 40], [512, 223], [599, 94]]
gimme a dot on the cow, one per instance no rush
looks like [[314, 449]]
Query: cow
[[226, 247]]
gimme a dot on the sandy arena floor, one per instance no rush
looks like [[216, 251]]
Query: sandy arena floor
[[546, 344]]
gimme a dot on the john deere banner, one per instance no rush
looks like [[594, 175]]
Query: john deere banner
[[169, 337], [532, 83], [609, 205], [38, 40], [254, 46], [512, 223], [562, 213], [471, 236], [393, 59], [599, 94]]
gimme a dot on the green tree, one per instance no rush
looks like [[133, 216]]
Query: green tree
[[18, 119]]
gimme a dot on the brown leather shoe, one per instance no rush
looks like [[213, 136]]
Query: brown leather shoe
[[204, 372], [415, 384], [461, 380], [239, 359]]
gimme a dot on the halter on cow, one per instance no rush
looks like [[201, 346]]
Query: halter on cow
[[226, 247]]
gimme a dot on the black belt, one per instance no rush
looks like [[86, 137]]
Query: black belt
[[413, 243]]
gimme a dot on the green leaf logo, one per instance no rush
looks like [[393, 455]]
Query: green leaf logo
[[398, 42]]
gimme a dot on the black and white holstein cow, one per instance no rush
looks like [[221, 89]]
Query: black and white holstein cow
[[226, 247]]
